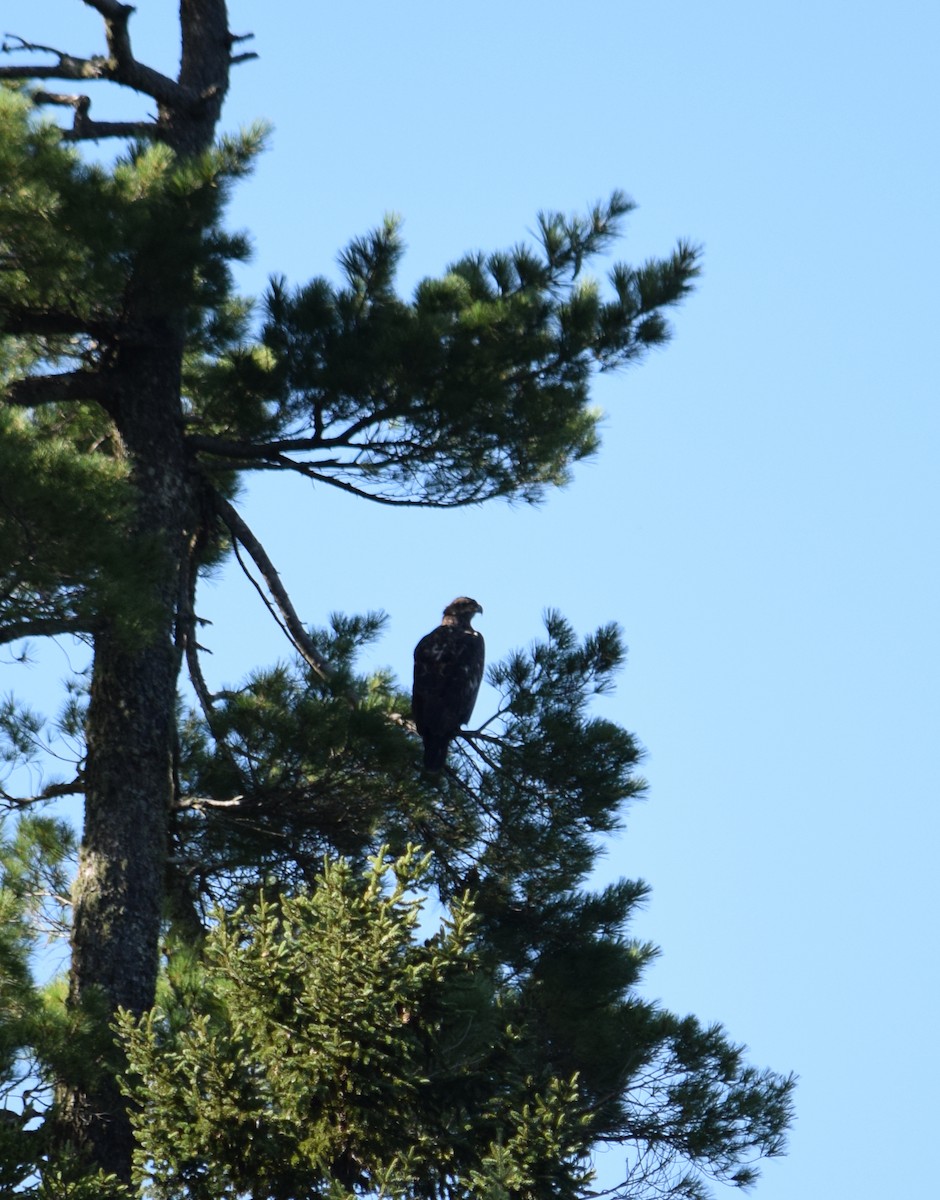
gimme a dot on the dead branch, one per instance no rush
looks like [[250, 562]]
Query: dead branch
[[85, 129], [233, 40], [52, 791], [119, 66], [298, 634], [203, 802], [203, 77], [67, 66]]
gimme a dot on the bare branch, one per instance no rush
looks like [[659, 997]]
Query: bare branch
[[231, 448], [248, 456], [186, 626], [67, 67], [203, 802], [125, 69], [51, 791], [233, 40], [84, 129], [111, 10], [119, 66], [203, 695], [262, 594], [392, 501], [186, 637], [51, 626], [301, 639], [94, 131]]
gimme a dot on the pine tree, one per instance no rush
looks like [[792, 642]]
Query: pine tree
[[138, 389]]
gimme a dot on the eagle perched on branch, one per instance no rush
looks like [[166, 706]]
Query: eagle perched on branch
[[448, 672]]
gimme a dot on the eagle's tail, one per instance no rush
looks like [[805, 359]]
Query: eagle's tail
[[435, 751]]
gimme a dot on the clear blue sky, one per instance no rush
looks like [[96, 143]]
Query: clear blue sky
[[762, 518]]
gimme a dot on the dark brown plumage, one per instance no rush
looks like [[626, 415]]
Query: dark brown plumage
[[448, 672]]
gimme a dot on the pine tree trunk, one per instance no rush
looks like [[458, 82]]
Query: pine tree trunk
[[130, 728], [119, 890]]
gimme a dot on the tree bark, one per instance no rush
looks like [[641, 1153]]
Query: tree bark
[[130, 727]]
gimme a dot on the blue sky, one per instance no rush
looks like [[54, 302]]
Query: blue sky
[[762, 516]]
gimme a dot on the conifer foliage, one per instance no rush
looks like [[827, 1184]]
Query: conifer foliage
[[249, 1006]]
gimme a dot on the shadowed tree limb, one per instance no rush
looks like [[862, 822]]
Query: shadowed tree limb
[[36, 390], [53, 322], [53, 626]]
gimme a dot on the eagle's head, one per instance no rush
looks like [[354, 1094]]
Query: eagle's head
[[461, 611]]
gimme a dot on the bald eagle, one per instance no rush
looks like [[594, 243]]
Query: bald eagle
[[448, 671]]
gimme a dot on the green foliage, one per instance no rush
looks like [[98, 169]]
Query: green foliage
[[288, 768], [39, 1036], [479, 386], [78, 244], [308, 1041], [332, 1051], [54, 224], [16, 1035], [68, 561], [517, 821], [73, 235]]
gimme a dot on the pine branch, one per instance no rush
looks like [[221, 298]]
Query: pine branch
[[234, 448], [311, 472], [247, 456]]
